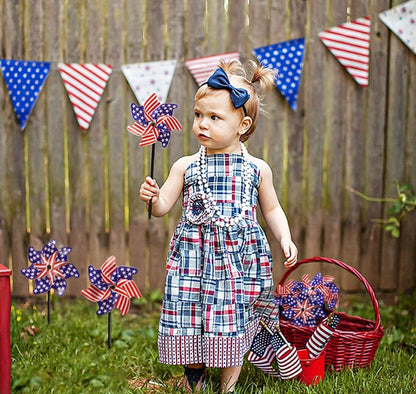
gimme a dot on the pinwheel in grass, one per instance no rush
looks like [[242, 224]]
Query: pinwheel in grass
[[111, 287], [50, 268], [154, 121]]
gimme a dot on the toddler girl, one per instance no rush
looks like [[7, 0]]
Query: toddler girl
[[219, 265]]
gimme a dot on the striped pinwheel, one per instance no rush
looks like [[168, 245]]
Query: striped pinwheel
[[111, 287], [153, 121], [50, 268]]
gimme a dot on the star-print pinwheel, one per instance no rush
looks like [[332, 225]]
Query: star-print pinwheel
[[154, 121], [111, 287], [323, 284], [50, 268]]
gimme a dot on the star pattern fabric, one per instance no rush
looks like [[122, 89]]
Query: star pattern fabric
[[287, 59], [111, 287], [401, 20], [50, 268], [24, 80], [149, 77]]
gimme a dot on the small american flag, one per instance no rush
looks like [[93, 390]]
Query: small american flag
[[287, 358], [319, 339], [262, 354]]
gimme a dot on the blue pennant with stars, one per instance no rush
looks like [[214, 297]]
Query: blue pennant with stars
[[287, 59], [24, 80]]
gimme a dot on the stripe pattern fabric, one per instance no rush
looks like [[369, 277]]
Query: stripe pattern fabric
[[201, 68], [350, 44], [85, 84]]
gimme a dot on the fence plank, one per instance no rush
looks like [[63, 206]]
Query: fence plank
[[134, 19], [36, 141], [116, 135], [77, 158], [335, 98]]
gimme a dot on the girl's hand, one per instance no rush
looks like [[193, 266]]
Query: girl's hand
[[290, 251], [149, 190]]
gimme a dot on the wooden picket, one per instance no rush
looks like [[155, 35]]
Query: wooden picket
[[81, 187]]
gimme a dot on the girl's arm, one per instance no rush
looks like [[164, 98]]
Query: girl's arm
[[274, 215], [164, 199]]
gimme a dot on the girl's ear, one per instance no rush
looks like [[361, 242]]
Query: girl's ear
[[246, 124]]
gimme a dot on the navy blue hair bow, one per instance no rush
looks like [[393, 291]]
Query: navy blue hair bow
[[219, 80]]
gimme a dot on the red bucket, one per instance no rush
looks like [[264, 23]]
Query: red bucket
[[313, 369]]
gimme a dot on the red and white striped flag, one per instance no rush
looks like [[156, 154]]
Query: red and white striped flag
[[350, 44], [320, 337], [201, 68], [288, 362], [85, 84]]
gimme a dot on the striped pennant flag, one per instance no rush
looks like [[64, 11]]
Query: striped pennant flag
[[85, 84], [287, 358], [201, 68], [350, 44], [323, 333]]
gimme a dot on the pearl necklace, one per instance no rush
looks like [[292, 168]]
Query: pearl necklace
[[211, 208]]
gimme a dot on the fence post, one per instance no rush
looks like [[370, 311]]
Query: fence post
[[5, 349]]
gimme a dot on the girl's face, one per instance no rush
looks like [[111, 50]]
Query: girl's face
[[217, 124]]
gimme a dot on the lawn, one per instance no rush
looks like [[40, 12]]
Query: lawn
[[70, 355]]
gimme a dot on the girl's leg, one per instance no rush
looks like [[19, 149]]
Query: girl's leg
[[229, 377]]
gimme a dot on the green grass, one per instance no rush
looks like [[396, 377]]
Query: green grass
[[70, 355]]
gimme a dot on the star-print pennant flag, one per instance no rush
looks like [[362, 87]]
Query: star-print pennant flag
[[50, 268], [150, 77], [350, 44], [24, 80], [401, 20], [111, 287], [201, 68], [85, 84], [287, 59]]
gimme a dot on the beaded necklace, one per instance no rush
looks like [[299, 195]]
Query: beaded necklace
[[211, 212]]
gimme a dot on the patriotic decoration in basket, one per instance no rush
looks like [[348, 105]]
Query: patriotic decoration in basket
[[111, 287], [153, 121], [50, 269], [303, 302]]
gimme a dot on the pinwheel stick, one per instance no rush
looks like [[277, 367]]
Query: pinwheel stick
[[49, 306], [152, 169], [109, 330]]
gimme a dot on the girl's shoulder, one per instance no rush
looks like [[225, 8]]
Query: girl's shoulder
[[184, 162], [263, 167]]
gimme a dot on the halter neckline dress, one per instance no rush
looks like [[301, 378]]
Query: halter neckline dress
[[218, 279]]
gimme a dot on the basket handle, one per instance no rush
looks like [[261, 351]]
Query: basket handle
[[346, 267]]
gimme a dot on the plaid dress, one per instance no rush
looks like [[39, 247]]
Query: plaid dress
[[218, 279]]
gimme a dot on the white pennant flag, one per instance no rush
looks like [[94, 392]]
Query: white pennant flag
[[150, 77]]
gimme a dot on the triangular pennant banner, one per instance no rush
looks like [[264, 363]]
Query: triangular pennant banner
[[85, 84], [350, 44], [401, 20], [287, 59], [24, 80], [150, 77], [201, 68]]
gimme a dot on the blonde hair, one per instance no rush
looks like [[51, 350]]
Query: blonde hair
[[262, 80]]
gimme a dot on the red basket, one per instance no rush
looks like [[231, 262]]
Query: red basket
[[354, 342]]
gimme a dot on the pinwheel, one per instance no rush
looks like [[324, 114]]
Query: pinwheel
[[49, 269], [111, 287], [303, 302], [153, 122]]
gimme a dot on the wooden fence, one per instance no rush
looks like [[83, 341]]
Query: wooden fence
[[57, 181]]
